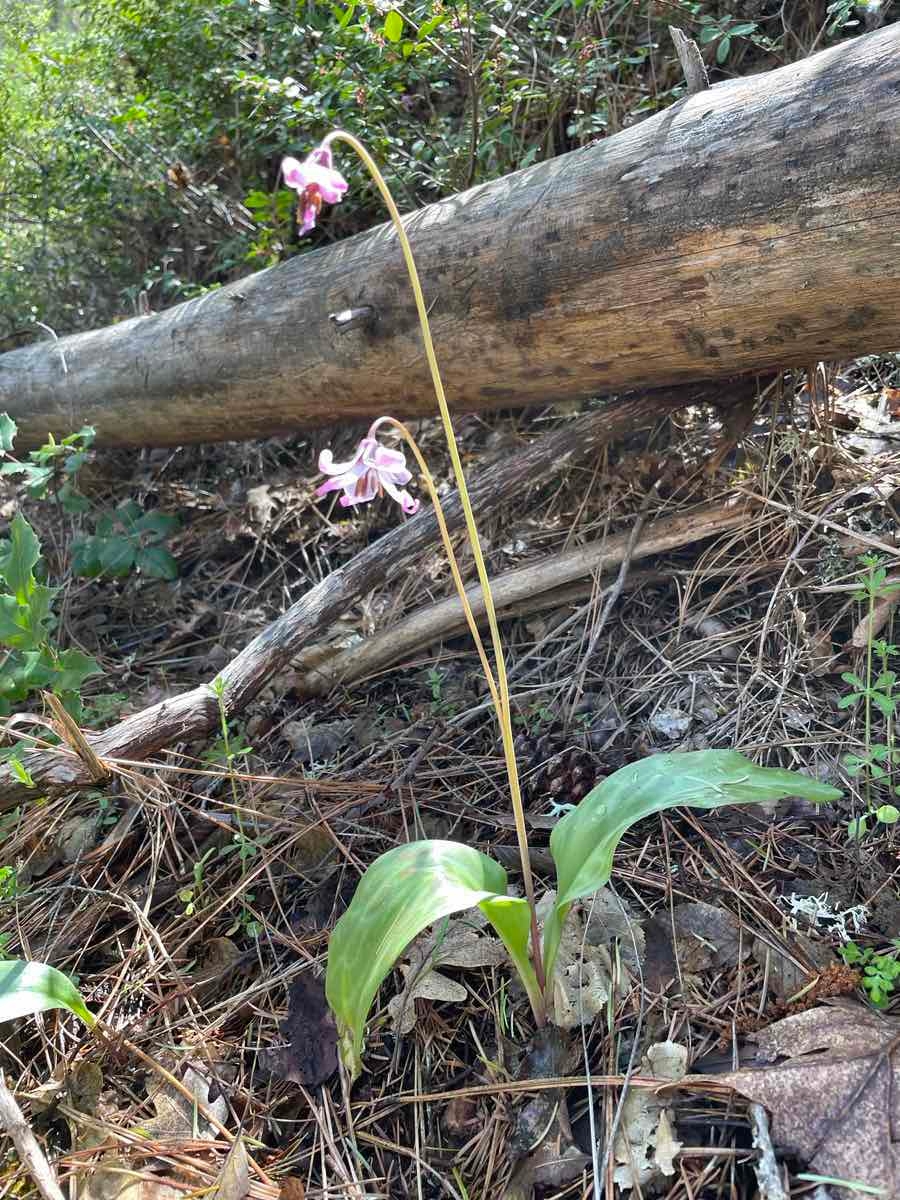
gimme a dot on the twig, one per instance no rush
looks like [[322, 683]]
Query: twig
[[33, 1159]]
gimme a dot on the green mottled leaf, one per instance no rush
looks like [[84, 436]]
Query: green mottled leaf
[[31, 987], [393, 26], [584, 841], [8, 431], [888, 814], [722, 50], [402, 893]]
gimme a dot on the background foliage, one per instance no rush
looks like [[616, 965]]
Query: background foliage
[[140, 139]]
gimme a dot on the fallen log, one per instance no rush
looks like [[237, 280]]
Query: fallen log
[[194, 713], [750, 226], [536, 585]]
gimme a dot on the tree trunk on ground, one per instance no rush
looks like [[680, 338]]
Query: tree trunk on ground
[[194, 713], [748, 227]]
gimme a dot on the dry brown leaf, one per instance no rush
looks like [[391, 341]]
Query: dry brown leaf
[[425, 985], [646, 1122], [834, 1096], [176, 1115], [261, 505], [234, 1179], [309, 1055], [707, 936]]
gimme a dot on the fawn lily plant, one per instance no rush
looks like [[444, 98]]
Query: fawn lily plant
[[412, 886]]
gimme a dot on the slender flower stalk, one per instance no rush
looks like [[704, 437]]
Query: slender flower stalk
[[501, 700]]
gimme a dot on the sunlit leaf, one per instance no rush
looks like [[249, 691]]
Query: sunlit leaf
[[393, 26], [31, 987], [402, 893], [511, 918], [584, 841], [19, 556]]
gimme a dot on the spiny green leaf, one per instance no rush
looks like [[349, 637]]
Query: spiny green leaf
[[402, 893], [584, 841], [31, 987], [19, 557], [73, 667]]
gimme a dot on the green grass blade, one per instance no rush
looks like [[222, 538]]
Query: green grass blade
[[31, 987], [584, 841], [402, 893]]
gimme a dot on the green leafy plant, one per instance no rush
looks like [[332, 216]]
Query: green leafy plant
[[53, 465], [880, 973], [26, 625], [875, 691], [124, 540], [414, 885], [190, 896], [27, 988]]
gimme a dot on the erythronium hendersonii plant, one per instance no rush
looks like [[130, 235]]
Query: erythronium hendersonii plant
[[412, 886]]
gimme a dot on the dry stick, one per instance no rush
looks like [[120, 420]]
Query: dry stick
[[33, 1159], [530, 583], [193, 714], [577, 686]]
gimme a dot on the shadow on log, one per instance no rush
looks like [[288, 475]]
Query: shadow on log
[[750, 226], [194, 713]]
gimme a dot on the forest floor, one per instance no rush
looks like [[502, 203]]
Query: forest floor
[[193, 898]]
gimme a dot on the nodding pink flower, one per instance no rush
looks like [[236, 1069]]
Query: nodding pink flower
[[316, 182], [373, 470]]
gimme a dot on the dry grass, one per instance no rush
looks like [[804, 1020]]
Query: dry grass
[[741, 639]]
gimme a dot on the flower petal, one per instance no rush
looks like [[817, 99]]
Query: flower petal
[[403, 498], [330, 183], [310, 212], [328, 466], [294, 173]]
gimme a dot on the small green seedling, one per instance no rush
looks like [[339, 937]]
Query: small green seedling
[[880, 973]]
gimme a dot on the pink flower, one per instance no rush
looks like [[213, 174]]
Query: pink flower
[[373, 470], [316, 183]]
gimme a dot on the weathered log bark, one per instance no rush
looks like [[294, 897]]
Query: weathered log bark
[[753, 225], [192, 714]]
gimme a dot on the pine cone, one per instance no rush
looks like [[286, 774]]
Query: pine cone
[[553, 769]]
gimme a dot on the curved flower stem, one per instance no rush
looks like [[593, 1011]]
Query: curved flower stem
[[407, 436], [503, 706]]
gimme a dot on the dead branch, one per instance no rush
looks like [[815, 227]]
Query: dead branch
[[194, 713], [531, 588]]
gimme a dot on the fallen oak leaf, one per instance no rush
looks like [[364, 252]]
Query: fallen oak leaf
[[830, 1078]]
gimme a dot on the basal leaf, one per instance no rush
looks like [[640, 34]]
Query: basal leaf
[[31, 987], [511, 917], [584, 841], [156, 562], [402, 893]]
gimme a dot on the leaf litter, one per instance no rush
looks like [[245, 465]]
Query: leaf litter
[[830, 1078]]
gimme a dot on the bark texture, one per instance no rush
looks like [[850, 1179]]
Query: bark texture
[[751, 226]]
